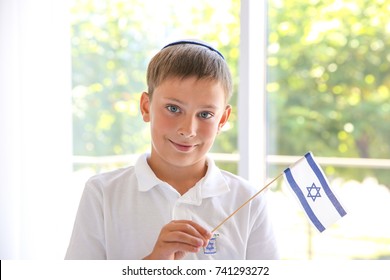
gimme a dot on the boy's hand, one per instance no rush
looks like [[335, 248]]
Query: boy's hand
[[178, 238]]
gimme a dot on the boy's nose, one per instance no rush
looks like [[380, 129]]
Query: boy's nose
[[187, 128]]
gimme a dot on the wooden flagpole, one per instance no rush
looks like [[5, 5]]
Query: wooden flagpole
[[246, 202], [256, 194]]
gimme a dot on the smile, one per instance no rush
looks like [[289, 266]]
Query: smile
[[182, 147]]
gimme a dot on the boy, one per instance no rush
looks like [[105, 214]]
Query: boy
[[165, 206]]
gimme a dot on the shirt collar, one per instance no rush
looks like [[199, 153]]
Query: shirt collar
[[145, 175], [212, 184]]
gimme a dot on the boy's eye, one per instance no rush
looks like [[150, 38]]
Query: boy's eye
[[205, 115], [173, 108]]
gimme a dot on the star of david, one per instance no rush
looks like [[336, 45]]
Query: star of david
[[313, 192]]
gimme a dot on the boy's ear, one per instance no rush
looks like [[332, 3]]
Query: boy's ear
[[225, 117], [145, 106]]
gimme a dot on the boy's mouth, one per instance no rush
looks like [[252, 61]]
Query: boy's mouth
[[182, 147]]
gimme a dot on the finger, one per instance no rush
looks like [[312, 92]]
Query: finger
[[182, 247], [203, 231], [178, 238], [175, 244], [182, 233], [193, 229], [183, 238]]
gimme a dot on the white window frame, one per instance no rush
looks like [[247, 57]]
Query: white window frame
[[251, 95]]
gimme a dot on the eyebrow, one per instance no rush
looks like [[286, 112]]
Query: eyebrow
[[206, 106]]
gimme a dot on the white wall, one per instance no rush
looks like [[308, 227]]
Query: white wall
[[35, 128]]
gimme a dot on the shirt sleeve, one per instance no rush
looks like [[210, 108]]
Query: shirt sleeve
[[87, 241], [262, 244]]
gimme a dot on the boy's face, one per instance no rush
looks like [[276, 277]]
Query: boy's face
[[185, 116]]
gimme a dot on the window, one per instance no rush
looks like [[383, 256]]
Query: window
[[328, 92], [112, 43]]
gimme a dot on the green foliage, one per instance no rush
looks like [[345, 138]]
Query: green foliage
[[329, 78], [328, 73], [112, 43], [108, 59]]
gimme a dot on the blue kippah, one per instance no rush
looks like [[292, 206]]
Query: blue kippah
[[194, 43]]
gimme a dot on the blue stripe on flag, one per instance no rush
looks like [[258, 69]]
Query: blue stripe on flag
[[325, 185], [303, 200]]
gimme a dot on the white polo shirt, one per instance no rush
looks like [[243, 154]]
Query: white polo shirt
[[122, 212]]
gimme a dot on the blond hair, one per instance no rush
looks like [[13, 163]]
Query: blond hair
[[186, 59]]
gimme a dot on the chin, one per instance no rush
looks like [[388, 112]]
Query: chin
[[184, 160]]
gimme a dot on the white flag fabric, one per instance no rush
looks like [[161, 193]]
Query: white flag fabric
[[312, 189]]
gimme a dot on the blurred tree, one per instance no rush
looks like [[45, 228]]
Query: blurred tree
[[108, 60], [328, 73], [329, 78], [112, 43]]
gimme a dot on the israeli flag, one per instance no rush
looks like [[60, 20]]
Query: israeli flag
[[312, 189]]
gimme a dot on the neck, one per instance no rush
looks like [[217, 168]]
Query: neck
[[180, 178]]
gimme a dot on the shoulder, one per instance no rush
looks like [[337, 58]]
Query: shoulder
[[236, 182], [243, 190], [109, 181], [113, 176]]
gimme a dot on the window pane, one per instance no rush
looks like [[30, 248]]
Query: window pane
[[328, 92], [112, 43]]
